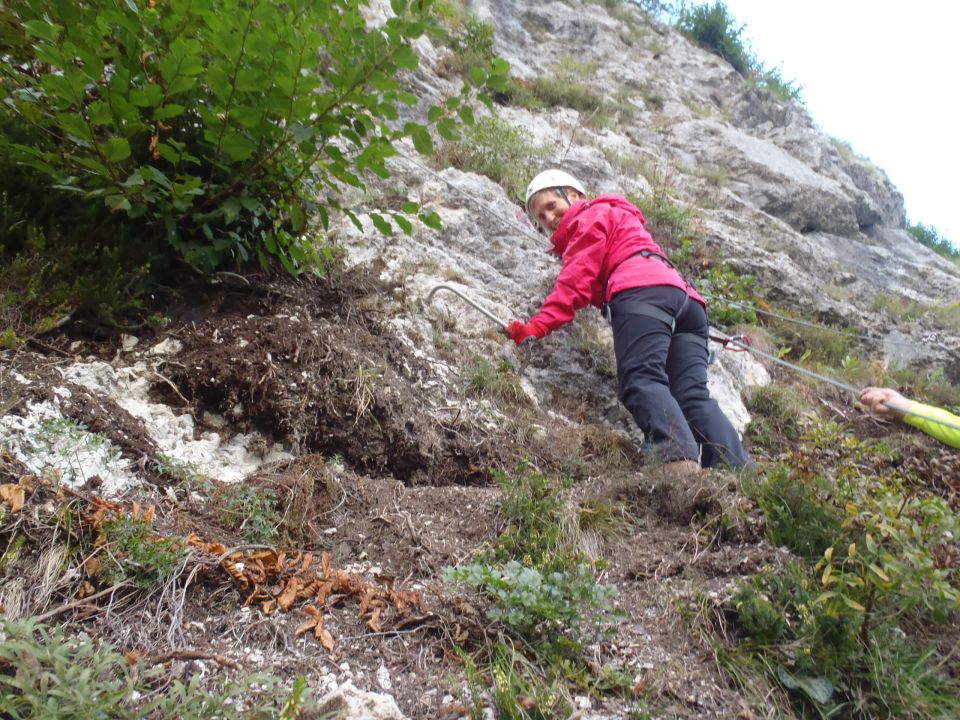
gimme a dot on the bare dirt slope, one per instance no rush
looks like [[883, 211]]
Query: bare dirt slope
[[376, 487]]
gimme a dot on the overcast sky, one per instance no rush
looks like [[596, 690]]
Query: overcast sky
[[881, 75]]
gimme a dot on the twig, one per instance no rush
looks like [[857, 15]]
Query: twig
[[172, 386], [160, 658], [77, 603]]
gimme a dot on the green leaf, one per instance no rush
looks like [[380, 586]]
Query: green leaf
[[117, 203], [447, 129], [91, 164], [231, 210], [410, 207], [180, 84], [116, 149], [168, 111], [148, 96], [431, 219], [100, 113], [404, 224], [298, 218], [237, 146], [405, 58], [477, 75], [42, 29], [466, 114], [818, 689], [421, 139], [381, 224]]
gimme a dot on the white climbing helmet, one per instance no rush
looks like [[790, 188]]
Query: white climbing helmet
[[551, 179]]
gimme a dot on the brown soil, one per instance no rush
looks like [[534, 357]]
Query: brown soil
[[391, 489]]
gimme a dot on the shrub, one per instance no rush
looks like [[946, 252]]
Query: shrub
[[137, 555], [58, 677], [567, 86], [832, 628], [929, 236], [536, 605], [495, 148], [472, 45], [495, 380], [714, 28], [776, 409], [254, 512], [219, 129]]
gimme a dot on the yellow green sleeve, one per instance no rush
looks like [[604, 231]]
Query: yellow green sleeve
[[926, 420]]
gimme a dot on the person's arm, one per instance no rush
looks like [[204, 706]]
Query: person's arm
[[926, 417], [936, 422], [582, 264]]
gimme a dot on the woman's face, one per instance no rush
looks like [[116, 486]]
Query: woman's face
[[548, 207]]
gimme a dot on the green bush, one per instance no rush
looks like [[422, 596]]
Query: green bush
[[929, 236], [714, 28], [254, 511], [220, 129], [776, 410], [536, 605], [837, 628], [137, 555], [472, 46], [50, 676], [501, 151]]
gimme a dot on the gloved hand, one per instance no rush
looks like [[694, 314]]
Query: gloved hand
[[519, 331]]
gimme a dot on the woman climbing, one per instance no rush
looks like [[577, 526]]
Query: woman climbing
[[659, 323]]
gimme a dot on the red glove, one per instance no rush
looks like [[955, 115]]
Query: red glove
[[519, 331]]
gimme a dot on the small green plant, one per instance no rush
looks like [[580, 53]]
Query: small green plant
[[730, 295], [535, 517], [669, 221], [495, 380], [134, 553], [825, 345], [471, 45], [777, 411], [931, 237], [831, 628], [495, 148], [537, 605], [182, 472], [518, 689], [68, 445], [55, 677], [254, 512]]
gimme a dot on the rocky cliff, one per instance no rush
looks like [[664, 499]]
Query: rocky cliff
[[374, 408]]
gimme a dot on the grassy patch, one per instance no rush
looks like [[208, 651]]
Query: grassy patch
[[845, 629], [51, 675], [253, 511], [495, 148], [543, 596]]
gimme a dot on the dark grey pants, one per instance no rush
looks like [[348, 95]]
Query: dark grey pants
[[662, 373]]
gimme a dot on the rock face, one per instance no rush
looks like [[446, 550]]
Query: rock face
[[820, 230]]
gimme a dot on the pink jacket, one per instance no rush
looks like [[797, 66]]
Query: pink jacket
[[596, 238]]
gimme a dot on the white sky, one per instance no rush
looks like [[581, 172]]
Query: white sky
[[881, 75]]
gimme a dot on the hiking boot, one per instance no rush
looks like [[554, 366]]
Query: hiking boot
[[680, 489]]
